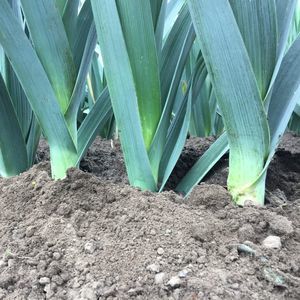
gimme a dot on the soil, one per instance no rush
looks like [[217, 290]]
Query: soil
[[92, 236]]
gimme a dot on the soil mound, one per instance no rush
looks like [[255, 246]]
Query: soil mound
[[89, 237]]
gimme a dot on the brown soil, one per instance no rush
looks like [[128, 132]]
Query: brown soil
[[95, 237]]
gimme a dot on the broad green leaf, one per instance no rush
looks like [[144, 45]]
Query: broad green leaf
[[156, 6], [79, 89], [172, 11], [97, 84], [38, 91], [123, 95], [201, 93], [137, 27], [285, 10], [52, 47], [175, 139], [159, 27], [20, 102], [158, 144], [287, 87], [61, 4], [257, 23], [84, 23], [285, 94], [236, 90], [70, 20], [13, 154], [172, 49]]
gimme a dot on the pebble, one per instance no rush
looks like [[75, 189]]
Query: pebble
[[90, 247], [88, 293], [183, 273], [280, 225], [56, 255], [272, 242], [152, 232], [44, 280], [153, 268], [174, 282], [11, 262], [2, 263], [159, 278], [49, 291], [160, 251]]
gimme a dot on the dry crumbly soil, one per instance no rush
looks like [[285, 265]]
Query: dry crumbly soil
[[91, 236]]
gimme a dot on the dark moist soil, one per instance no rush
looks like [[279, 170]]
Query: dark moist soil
[[94, 237]]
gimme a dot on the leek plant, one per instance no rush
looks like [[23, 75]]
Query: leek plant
[[51, 66], [19, 129], [256, 83], [144, 63], [294, 123]]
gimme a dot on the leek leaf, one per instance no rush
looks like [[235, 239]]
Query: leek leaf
[[237, 94], [257, 23], [158, 144], [123, 94], [52, 47], [136, 22], [83, 25], [287, 87], [93, 122], [203, 165], [38, 91], [70, 20], [176, 139], [78, 93], [172, 49], [13, 154]]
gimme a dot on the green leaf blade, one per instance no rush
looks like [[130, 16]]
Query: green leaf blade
[[138, 31], [52, 47], [123, 94], [236, 90]]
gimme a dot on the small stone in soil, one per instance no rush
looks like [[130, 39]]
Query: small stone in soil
[[44, 280], [281, 225], [152, 232], [174, 282], [90, 247], [159, 278], [56, 255], [160, 251], [272, 242], [183, 273], [88, 293], [153, 268]]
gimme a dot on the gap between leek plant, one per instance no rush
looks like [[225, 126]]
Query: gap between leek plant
[[255, 81], [52, 67]]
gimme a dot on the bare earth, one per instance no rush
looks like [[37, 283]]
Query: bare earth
[[92, 236]]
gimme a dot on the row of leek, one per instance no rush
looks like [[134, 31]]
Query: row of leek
[[161, 70]]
